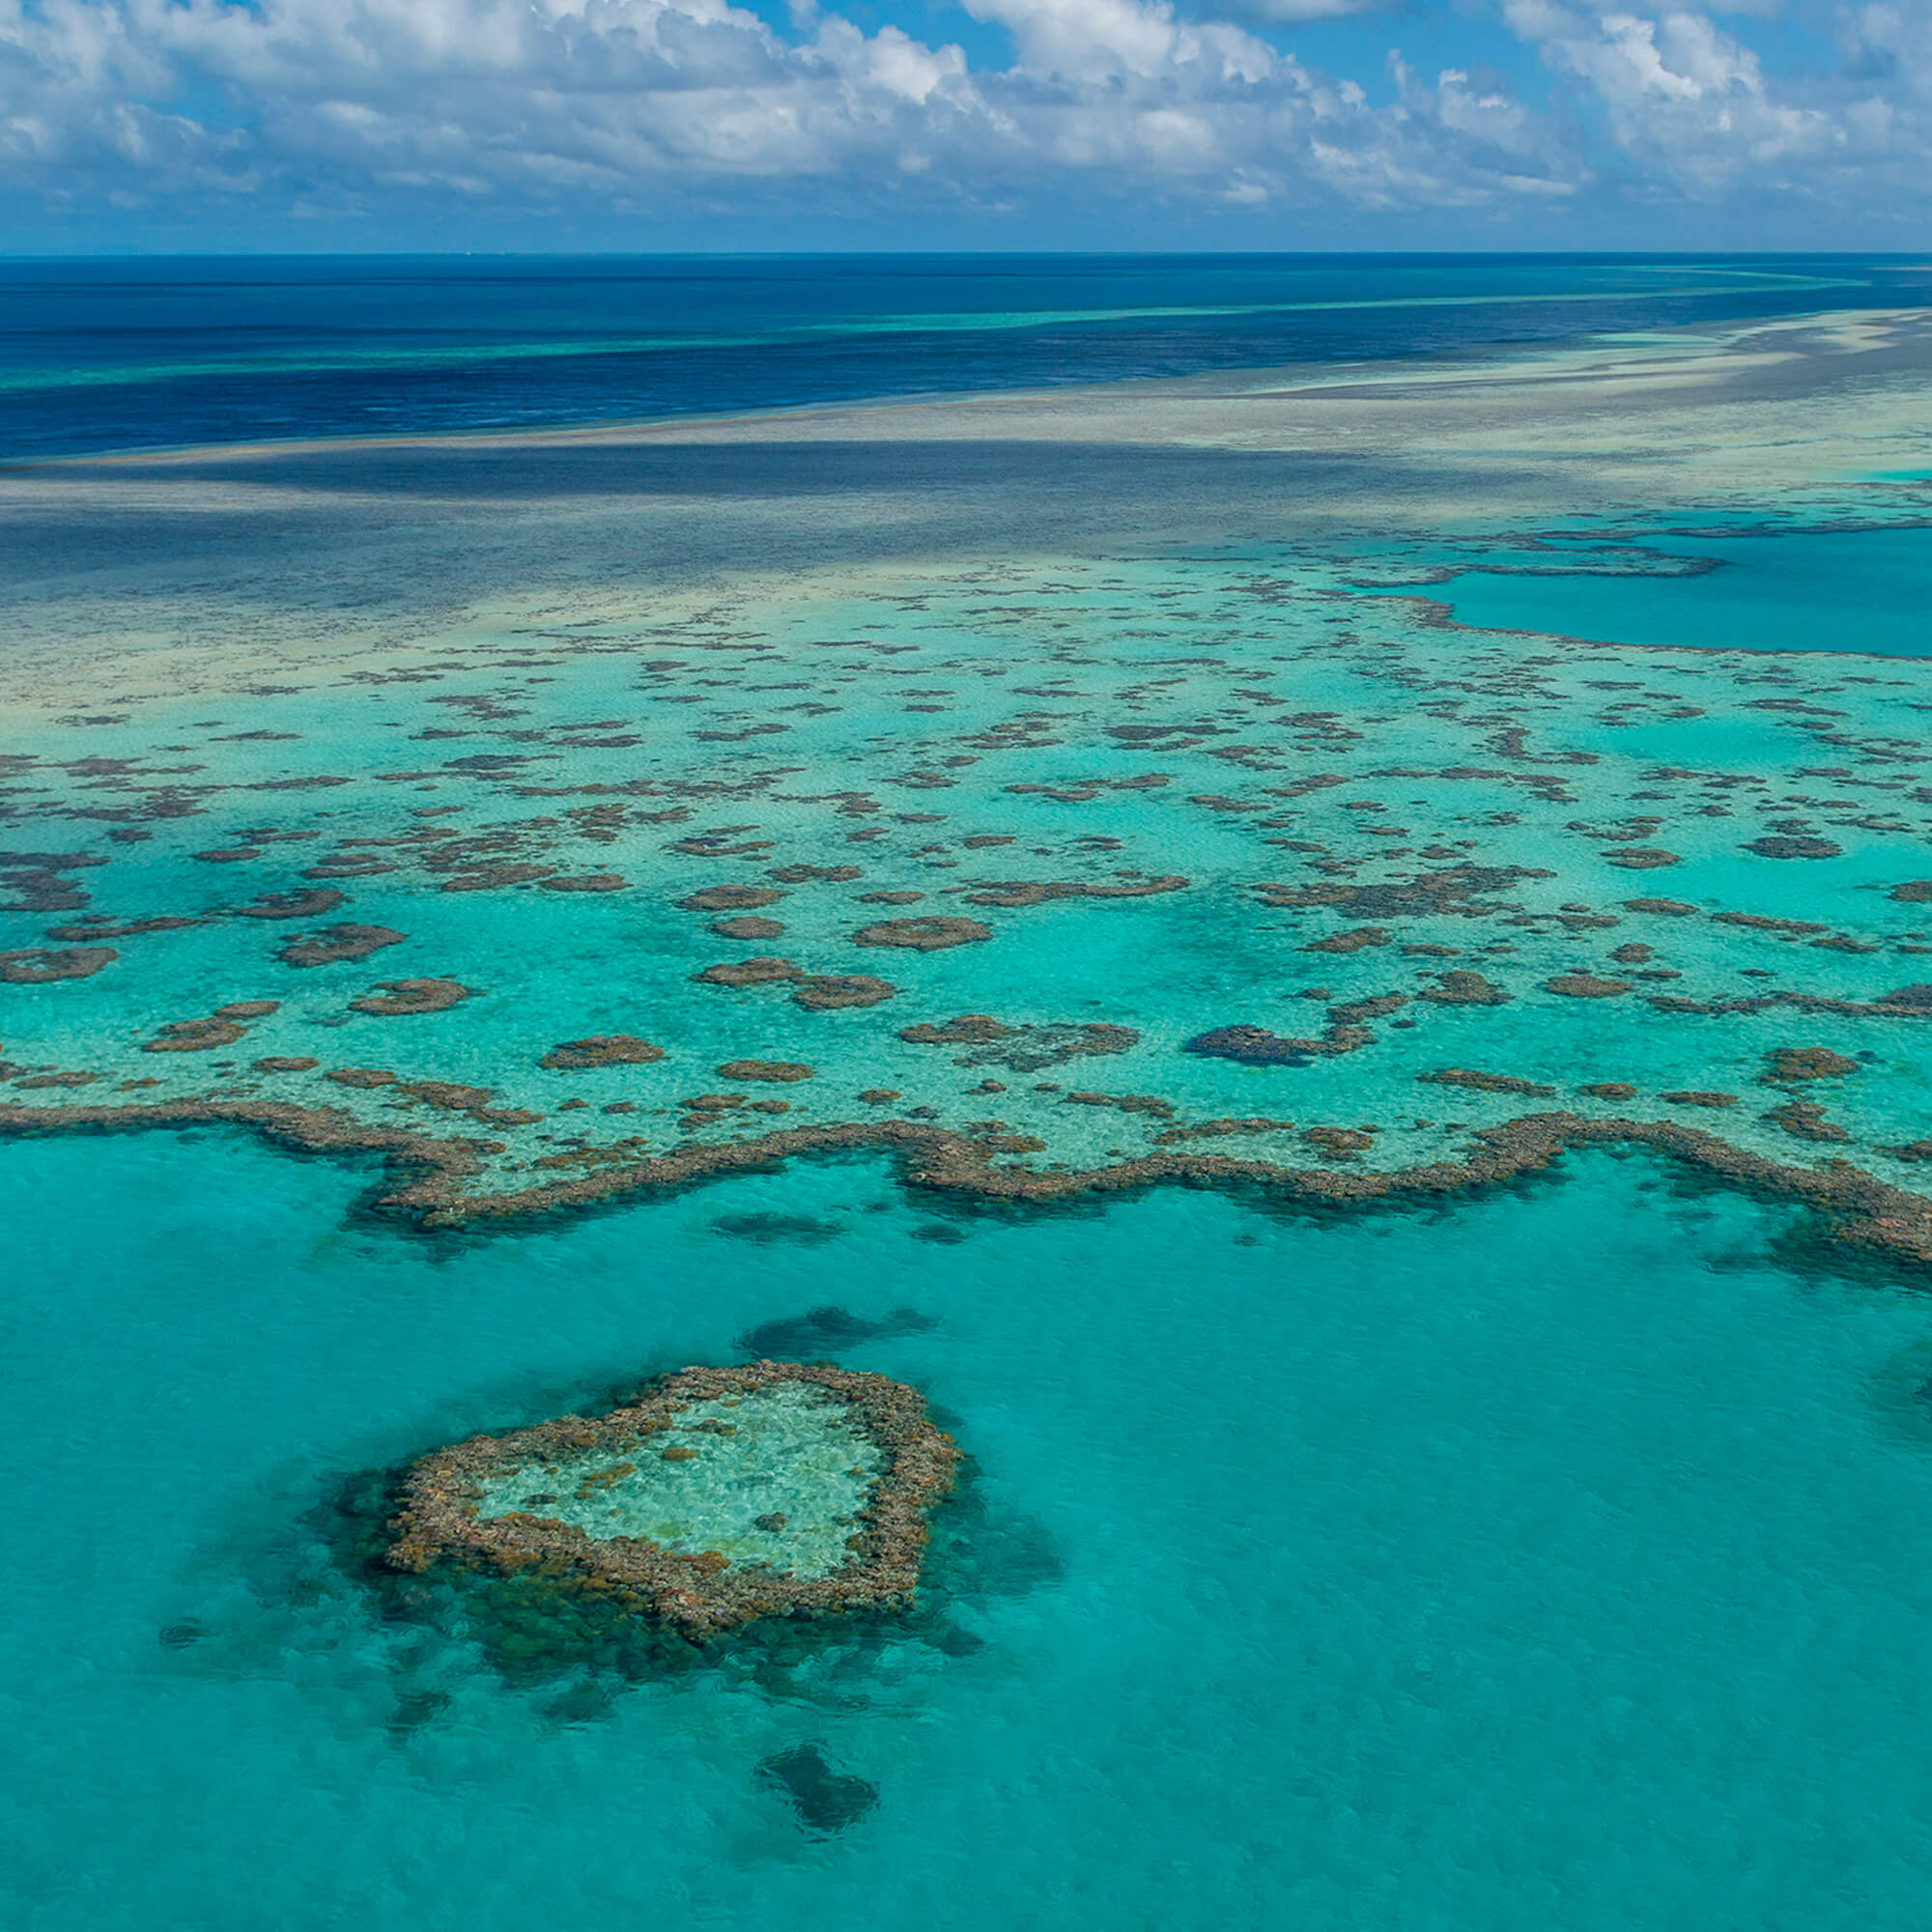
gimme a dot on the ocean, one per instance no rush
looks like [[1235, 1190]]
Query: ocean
[[1300, 889], [139, 353]]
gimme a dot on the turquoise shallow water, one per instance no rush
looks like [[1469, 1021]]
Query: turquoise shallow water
[[1406, 1571], [1792, 590]]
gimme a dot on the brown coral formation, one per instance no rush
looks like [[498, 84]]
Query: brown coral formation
[[747, 928], [1585, 986], [41, 966], [1466, 890], [1460, 987], [830, 992], [600, 1049], [1353, 941], [1804, 1120], [396, 998], [967, 1030], [1482, 1083], [194, 1035], [1805, 1063], [292, 905], [783, 1070], [1039, 892], [1788, 846], [699, 1592], [729, 898], [335, 944], [932, 933], [434, 1173], [755, 972], [1022, 1050]]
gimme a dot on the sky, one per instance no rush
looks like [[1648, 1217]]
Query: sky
[[344, 125]]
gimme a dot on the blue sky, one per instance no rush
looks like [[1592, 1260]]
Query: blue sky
[[210, 125]]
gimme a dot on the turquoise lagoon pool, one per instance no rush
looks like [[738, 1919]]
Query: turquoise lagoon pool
[[1866, 590]]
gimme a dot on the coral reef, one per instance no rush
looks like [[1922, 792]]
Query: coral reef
[[829, 992], [932, 933], [334, 943], [699, 1591], [395, 999], [38, 966], [600, 1049]]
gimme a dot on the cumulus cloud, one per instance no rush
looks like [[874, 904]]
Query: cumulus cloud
[[1691, 106], [345, 104]]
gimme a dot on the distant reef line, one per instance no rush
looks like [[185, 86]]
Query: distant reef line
[[1861, 1212]]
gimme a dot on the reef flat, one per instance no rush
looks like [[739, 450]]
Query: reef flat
[[1267, 870], [721, 1494]]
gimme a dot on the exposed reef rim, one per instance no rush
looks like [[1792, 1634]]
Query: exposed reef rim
[[697, 1591], [1862, 1212]]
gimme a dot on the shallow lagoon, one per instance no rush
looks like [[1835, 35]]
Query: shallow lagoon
[[1857, 590]]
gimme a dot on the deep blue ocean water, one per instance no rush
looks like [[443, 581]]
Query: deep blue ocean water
[[139, 354]]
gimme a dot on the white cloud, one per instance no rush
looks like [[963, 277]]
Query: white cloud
[[1690, 104], [338, 104]]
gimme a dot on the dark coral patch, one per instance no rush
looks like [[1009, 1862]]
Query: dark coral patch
[[933, 933], [758, 972], [98, 927], [293, 905], [729, 898], [1039, 892], [1482, 1083], [335, 944], [1807, 1063], [828, 992], [967, 1030], [764, 1070], [826, 1801], [1460, 989], [1787, 845], [1249, 1046], [394, 999], [40, 966], [601, 1049], [194, 1035], [747, 928], [1584, 986]]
